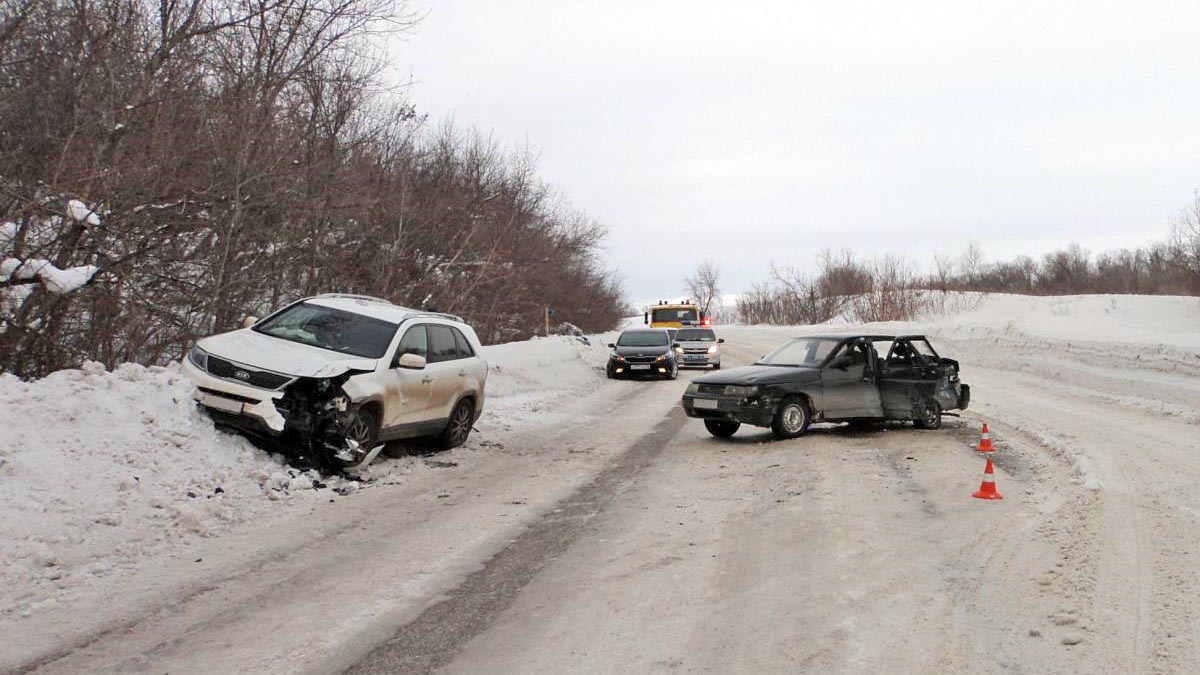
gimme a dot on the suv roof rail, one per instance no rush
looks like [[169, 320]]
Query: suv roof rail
[[438, 315], [353, 296]]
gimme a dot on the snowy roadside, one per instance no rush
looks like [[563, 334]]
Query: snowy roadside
[[100, 471]]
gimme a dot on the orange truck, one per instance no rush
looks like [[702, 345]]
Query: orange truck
[[675, 315]]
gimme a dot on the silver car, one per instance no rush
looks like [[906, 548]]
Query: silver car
[[698, 347]]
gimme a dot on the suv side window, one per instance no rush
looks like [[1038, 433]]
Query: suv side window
[[415, 341], [442, 346], [464, 347]]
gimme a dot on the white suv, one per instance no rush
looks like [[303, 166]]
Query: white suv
[[342, 373]]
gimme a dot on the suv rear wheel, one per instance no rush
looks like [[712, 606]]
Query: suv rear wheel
[[458, 428]]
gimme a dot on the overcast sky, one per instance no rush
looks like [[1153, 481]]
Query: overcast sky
[[751, 132]]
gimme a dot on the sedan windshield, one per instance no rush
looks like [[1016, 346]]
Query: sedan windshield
[[332, 329], [696, 335], [800, 352], [643, 339]]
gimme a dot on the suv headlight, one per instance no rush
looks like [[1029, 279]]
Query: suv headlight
[[693, 388], [199, 358], [662, 357], [737, 390], [616, 357], [712, 349]]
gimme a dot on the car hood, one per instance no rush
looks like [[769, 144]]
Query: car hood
[[643, 351], [750, 375], [282, 356]]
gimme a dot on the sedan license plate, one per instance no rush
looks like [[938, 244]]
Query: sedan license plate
[[640, 366], [221, 403], [697, 357], [706, 403]]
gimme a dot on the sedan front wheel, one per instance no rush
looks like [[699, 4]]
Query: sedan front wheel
[[792, 419]]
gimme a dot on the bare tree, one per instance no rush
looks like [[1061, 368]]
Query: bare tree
[[703, 285]]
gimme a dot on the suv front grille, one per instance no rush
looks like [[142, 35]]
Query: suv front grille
[[255, 378]]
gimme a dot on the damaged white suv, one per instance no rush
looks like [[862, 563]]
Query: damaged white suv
[[340, 374]]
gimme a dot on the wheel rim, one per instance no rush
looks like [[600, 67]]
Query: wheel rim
[[931, 415], [359, 432], [460, 423], [793, 418]]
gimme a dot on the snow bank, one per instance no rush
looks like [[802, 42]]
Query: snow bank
[[99, 469], [1139, 319]]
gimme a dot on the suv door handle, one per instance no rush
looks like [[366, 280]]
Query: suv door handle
[[462, 373], [426, 380]]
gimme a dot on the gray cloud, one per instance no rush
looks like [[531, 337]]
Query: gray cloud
[[759, 131]]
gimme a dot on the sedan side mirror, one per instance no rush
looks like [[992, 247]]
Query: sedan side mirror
[[721, 340], [612, 345], [249, 321], [411, 361], [674, 345]]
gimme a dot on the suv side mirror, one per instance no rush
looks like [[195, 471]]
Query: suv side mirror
[[842, 362], [674, 345], [411, 361], [249, 321], [721, 340], [612, 345]]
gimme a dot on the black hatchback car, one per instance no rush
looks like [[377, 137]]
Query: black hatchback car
[[831, 378], [642, 352]]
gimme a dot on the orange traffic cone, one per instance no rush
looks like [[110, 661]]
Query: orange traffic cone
[[985, 440], [987, 489]]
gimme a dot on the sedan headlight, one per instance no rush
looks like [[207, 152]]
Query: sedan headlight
[[679, 350], [712, 349], [737, 390], [616, 357], [663, 357], [199, 358], [693, 388]]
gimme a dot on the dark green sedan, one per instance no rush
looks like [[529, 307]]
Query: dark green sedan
[[831, 378]]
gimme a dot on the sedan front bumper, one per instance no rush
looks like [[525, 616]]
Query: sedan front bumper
[[755, 410]]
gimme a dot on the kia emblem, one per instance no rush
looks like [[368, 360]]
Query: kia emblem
[[241, 375]]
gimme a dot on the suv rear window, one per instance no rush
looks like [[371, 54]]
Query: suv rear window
[[441, 344], [333, 329]]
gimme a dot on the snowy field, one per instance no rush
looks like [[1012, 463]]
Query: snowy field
[[132, 528]]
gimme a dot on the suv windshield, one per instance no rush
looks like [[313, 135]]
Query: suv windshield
[[696, 335], [332, 329], [642, 339], [800, 352]]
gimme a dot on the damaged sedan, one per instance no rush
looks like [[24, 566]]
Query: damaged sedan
[[831, 378], [335, 376]]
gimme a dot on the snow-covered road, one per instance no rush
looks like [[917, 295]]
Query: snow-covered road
[[591, 528]]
